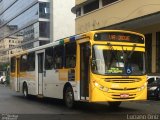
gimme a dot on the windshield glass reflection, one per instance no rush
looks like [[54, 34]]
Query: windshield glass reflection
[[116, 62]]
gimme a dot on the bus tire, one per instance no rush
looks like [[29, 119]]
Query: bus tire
[[114, 104], [69, 97], [25, 90]]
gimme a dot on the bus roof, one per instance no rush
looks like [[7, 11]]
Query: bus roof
[[72, 38]]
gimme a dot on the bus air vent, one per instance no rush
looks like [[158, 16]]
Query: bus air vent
[[122, 80]]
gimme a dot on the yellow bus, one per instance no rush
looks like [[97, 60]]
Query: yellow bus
[[97, 66]]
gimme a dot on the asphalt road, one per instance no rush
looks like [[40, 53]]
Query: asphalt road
[[13, 106]]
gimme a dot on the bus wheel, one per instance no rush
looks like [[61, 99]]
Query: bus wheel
[[114, 104], [69, 97], [25, 91]]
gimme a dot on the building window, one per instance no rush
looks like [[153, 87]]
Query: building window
[[43, 43], [44, 29], [44, 10], [148, 42], [91, 6], [157, 52], [78, 12], [107, 2]]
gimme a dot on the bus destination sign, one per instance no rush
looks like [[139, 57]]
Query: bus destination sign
[[118, 37]]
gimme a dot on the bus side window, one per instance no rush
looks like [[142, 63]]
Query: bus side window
[[31, 62], [23, 63], [58, 56], [49, 58], [13, 64], [70, 55]]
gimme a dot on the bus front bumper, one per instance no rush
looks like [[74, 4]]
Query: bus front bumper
[[100, 96]]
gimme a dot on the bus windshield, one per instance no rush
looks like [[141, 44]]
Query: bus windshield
[[117, 62]]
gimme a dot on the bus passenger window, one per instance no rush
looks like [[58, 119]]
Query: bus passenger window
[[13, 64], [49, 58], [58, 57], [23, 63], [31, 61], [70, 55]]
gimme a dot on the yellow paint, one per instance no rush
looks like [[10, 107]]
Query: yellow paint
[[77, 75], [79, 1], [97, 95], [26, 75], [80, 41], [120, 48], [63, 74]]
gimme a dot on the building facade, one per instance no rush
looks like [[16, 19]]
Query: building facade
[[6, 46], [62, 19], [36, 22], [136, 15]]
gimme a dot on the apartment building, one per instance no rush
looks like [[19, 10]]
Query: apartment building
[[8, 43], [137, 15], [37, 22]]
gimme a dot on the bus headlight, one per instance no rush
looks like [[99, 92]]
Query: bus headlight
[[141, 88], [96, 84], [105, 89]]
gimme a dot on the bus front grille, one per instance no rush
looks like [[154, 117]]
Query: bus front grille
[[122, 80], [123, 98], [123, 89]]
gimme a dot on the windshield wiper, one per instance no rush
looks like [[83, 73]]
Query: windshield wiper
[[134, 46], [113, 51], [128, 56]]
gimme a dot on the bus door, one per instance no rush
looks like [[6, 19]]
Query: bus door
[[40, 70], [84, 70], [17, 74]]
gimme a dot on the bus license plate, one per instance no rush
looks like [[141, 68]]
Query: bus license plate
[[124, 95]]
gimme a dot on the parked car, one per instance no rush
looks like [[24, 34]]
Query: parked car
[[2, 77], [153, 87]]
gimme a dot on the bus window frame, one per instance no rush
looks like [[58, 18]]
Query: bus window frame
[[61, 57], [14, 65], [51, 49], [73, 56]]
